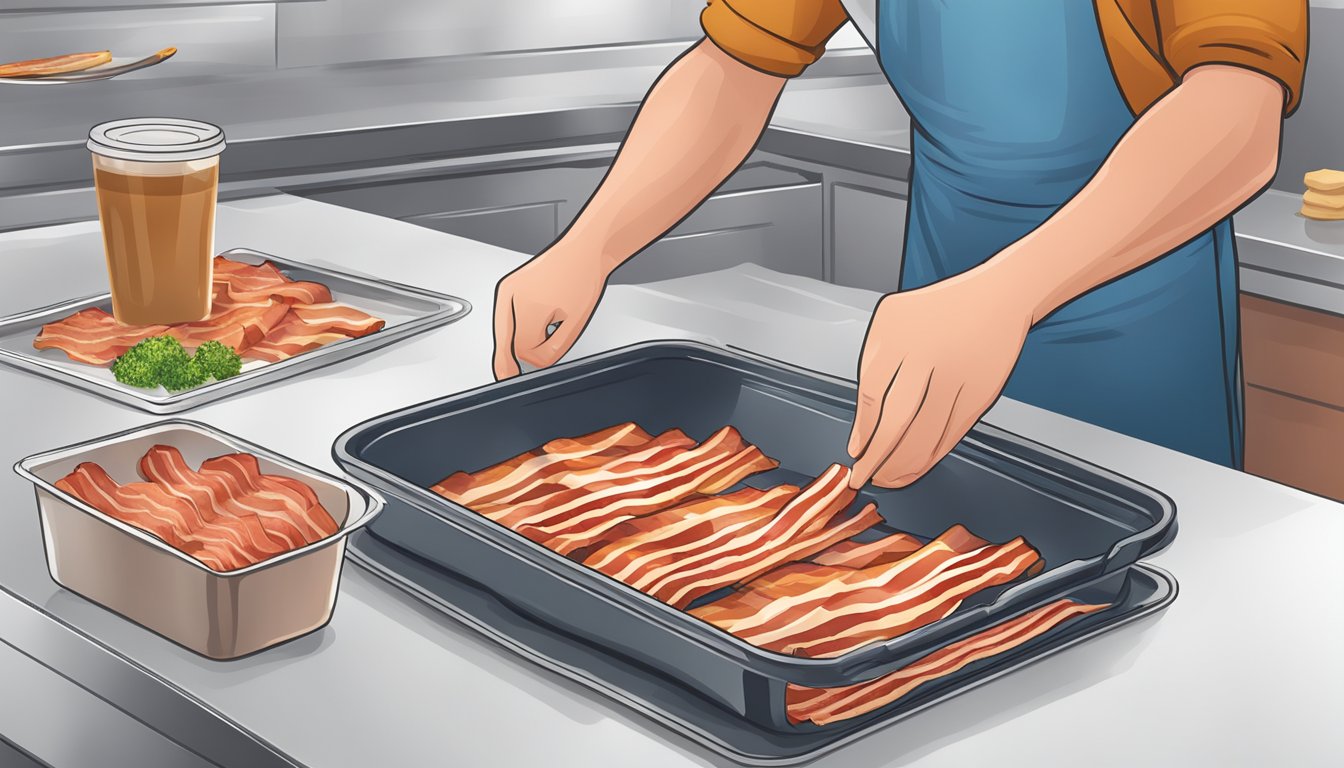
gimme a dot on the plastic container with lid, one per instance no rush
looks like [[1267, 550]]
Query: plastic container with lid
[[157, 181]]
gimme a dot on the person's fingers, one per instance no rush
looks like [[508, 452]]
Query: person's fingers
[[873, 387], [917, 448], [550, 351], [902, 402], [504, 363]]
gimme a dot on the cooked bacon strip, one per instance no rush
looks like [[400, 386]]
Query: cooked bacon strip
[[251, 283], [149, 508], [339, 318], [268, 525], [55, 65], [790, 535], [290, 338], [883, 551], [882, 608], [243, 475], [571, 504], [93, 336], [238, 325], [828, 705], [530, 472], [675, 532], [584, 531]]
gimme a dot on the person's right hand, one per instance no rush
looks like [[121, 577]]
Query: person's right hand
[[559, 287]]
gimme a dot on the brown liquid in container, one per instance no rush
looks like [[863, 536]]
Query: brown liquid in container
[[158, 233]]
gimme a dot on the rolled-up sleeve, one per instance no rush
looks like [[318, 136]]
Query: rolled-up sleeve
[[1269, 36], [781, 37]]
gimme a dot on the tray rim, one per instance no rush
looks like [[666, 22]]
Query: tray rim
[[373, 503], [862, 663], [844, 736], [450, 309]]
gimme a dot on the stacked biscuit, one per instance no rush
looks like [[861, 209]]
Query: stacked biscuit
[[1324, 198]]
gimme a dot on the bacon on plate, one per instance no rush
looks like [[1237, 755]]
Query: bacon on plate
[[93, 336]]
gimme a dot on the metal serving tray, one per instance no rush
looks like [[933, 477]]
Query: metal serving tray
[[1085, 521], [407, 311], [1139, 591], [141, 577]]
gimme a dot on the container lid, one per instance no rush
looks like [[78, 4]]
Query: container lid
[[156, 139]]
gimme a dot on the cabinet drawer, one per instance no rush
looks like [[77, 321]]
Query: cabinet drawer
[[1295, 442], [777, 228], [1290, 349], [868, 237]]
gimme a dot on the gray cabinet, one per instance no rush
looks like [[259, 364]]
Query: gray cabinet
[[766, 213], [867, 237]]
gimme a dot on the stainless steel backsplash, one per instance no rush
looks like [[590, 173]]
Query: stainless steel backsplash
[[338, 31]]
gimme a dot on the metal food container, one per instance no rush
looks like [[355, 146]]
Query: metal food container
[[1086, 522], [128, 571], [406, 310]]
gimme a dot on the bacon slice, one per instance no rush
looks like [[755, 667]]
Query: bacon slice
[[338, 318], [528, 472], [244, 478], [153, 510], [883, 551], [676, 532], [291, 337], [641, 478], [235, 324], [828, 705], [55, 65], [246, 282], [93, 336], [576, 535], [831, 619], [268, 525], [801, 529]]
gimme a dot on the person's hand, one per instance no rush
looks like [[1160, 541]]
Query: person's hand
[[935, 359], [560, 287]]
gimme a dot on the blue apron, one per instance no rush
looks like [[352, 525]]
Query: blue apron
[[1014, 108]]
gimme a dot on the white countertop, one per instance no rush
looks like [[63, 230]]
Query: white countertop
[[1244, 669]]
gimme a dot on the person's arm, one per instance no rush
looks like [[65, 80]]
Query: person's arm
[[697, 125], [1197, 155]]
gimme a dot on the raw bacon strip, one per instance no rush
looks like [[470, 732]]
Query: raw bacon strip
[[873, 613], [268, 526], [582, 533], [677, 531], [883, 551], [338, 318], [93, 336], [819, 503], [531, 470], [828, 705], [571, 504], [149, 508], [800, 587], [244, 476]]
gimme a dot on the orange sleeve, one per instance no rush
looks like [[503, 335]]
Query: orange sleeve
[[1269, 36], [781, 37]]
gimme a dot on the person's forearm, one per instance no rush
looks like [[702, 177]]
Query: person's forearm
[[695, 127], [1195, 157]]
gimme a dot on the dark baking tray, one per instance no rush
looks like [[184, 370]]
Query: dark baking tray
[[1085, 521], [1142, 590]]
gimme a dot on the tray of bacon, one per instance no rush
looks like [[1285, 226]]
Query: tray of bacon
[[688, 508], [213, 542], [282, 317]]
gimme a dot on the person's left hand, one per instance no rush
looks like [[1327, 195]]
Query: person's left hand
[[934, 360]]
